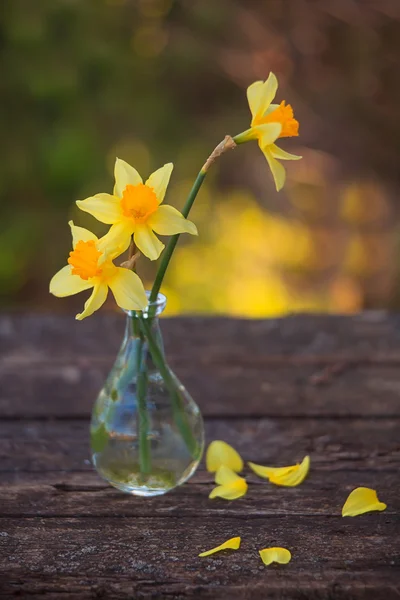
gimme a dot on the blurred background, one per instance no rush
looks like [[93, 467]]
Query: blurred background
[[153, 81]]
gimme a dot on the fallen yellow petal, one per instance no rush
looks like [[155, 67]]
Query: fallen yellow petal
[[278, 555], [225, 476], [285, 476], [231, 486], [267, 472], [220, 453], [360, 501], [232, 544]]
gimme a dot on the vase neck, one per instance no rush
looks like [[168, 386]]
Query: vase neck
[[135, 342], [153, 309], [133, 329], [151, 313]]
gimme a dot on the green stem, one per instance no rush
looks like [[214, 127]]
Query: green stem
[[166, 257], [144, 442], [141, 392], [227, 144], [179, 410]]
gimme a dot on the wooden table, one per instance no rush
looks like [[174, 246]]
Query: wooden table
[[276, 390]]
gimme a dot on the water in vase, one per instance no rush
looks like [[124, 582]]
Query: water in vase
[[147, 432]]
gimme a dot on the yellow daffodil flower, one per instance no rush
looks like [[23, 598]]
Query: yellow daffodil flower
[[230, 485], [136, 208], [270, 122], [90, 265], [220, 453], [285, 476], [232, 544], [278, 555], [360, 501]]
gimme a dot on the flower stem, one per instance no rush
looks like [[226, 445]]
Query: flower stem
[[144, 443], [226, 144], [143, 416], [166, 257], [178, 408]]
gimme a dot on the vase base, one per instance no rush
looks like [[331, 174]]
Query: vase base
[[117, 467], [142, 491]]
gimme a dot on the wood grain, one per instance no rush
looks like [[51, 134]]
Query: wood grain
[[277, 390]]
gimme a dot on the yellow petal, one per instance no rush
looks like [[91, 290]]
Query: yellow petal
[[232, 544], [65, 284], [277, 170], [80, 233], [278, 555], [360, 501], [104, 207], [231, 487], [166, 220], [285, 476], [281, 154], [260, 95], [96, 300], [266, 472], [117, 239], [267, 134], [128, 289], [232, 491], [124, 175], [147, 242], [254, 97], [159, 181], [225, 476], [294, 477], [220, 453]]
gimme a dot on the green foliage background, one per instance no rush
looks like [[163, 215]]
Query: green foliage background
[[159, 80]]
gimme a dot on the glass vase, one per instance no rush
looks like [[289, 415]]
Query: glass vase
[[147, 433]]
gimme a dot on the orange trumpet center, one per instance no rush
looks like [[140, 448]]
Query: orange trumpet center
[[283, 114], [139, 202], [84, 260]]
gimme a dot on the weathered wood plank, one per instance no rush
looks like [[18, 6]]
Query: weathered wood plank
[[324, 386], [347, 586], [332, 444], [41, 389], [141, 557], [53, 366], [372, 334], [67, 495]]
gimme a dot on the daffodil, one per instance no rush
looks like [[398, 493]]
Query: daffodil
[[136, 208], [270, 122], [360, 501], [285, 476], [90, 265], [220, 453], [232, 544], [230, 485], [278, 555]]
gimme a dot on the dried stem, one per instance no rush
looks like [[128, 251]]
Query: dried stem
[[132, 260], [227, 144]]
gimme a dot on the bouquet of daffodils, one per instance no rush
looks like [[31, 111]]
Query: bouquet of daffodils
[[136, 213], [147, 433]]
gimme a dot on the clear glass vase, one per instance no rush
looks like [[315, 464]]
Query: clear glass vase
[[147, 433]]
